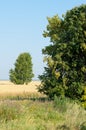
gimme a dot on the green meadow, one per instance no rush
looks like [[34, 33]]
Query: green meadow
[[39, 113]]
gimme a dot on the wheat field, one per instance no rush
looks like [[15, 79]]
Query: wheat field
[[7, 88]]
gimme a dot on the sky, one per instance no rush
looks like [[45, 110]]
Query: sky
[[22, 23]]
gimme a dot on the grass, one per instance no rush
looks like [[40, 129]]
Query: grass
[[38, 115], [33, 111]]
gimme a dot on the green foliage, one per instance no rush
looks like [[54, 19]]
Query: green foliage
[[83, 99], [83, 126], [61, 103], [65, 73], [22, 73]]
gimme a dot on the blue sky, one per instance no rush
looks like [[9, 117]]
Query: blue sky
[[22, 23]]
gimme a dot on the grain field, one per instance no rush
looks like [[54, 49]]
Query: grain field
[[8, 88]]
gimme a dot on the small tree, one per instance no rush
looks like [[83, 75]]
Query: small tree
[[22, 73]]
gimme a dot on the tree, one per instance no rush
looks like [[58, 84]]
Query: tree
[[22, 73], [65, 73]]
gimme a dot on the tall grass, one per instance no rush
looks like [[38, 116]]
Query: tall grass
[[9, 111], [74, 114], [60, 114]]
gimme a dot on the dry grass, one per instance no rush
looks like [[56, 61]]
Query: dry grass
[[9, 89]]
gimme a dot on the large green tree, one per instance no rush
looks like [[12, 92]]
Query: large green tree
[[65, 73], [22, 73]]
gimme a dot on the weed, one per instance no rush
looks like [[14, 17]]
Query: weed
[[9, 111]]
